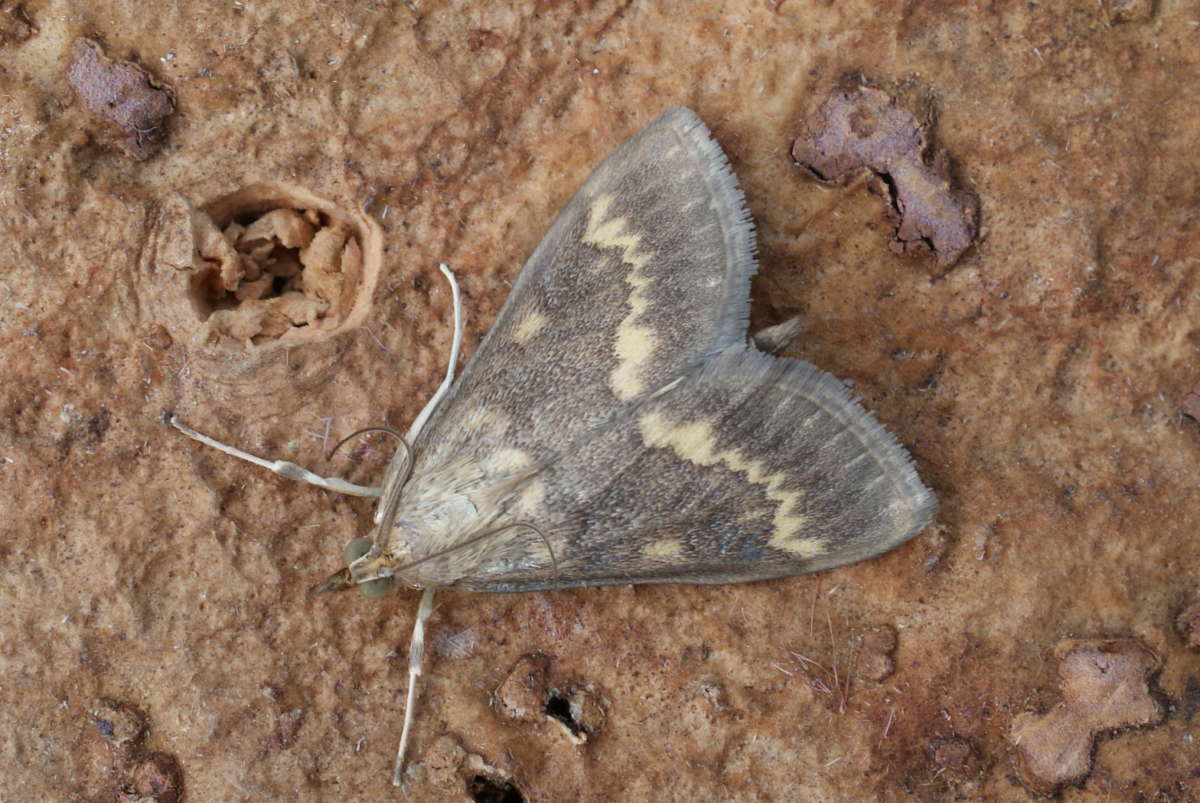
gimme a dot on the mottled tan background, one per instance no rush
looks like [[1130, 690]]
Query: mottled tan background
[[1038, 383]]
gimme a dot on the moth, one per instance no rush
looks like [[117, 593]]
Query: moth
[[618, 425]]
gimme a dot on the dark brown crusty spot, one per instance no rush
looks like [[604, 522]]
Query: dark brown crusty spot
[[135, 104], [862, 128]]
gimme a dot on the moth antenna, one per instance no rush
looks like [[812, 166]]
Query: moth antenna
[[444, 388], [394, 433], [393, 484], [545, 540], [416, 656]]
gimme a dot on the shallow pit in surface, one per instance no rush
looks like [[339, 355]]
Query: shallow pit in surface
[[486, 789], [577, 709], [265, 266], [280, 265]]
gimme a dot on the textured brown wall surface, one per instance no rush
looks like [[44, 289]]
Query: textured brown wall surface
[[1038, 382]]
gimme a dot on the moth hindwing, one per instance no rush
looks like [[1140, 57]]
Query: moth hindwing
[[618, 410]]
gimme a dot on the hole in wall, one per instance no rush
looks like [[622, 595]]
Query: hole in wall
[[558, 707], [580, 712], [486, 789], [266, 266]]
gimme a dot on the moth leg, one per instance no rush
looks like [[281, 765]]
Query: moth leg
[[416, 655], [289, 470], [444, 388], [775, 339]]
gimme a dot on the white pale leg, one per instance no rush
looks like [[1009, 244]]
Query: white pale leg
[[416, 650], [283, 467], [775, 339], [416, 656]]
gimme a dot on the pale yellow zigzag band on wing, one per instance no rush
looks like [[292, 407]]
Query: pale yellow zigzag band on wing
[[695, 442], [635, 342]]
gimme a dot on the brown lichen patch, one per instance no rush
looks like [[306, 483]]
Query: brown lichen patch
[[269, 265], [1191, 404], [15, 24], [1188, 625], [135, 103], [863, 129], [135, 773], [1129, 10], [1104, 685], [875, 661]]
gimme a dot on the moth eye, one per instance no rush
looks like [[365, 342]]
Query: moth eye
[[375, 589], [356, 549]]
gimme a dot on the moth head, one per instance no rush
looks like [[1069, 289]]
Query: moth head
[[374, 569], [368, 568]]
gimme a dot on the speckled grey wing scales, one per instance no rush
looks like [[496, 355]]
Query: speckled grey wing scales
[[751, 467], [643, 275]]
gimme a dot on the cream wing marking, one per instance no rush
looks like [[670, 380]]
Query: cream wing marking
[[635, 342], [665, 549], [530, 324], [696, 442]]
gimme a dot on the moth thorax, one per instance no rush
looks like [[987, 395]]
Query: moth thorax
[[438, 540], [446, 566]]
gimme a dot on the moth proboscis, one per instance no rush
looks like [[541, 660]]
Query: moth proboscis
[[617, 425]]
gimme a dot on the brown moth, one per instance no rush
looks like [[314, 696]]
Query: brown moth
[[617, 425]]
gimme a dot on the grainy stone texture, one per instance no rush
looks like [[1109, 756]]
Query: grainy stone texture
[[1039, 382]]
